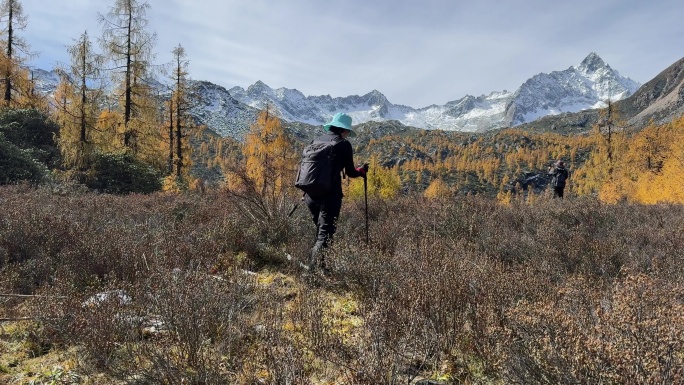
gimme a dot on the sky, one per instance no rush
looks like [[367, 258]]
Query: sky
[[416, 52]]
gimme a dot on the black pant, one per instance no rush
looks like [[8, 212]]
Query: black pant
[[324, 213], [558, 192]]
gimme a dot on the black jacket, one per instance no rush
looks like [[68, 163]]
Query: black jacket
[[560, 175], [343, 159]]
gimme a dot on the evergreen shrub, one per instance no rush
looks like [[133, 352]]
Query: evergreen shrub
[[123, 174], [18, 165]]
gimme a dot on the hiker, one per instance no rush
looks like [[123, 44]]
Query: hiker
[[325, 209], [559, 175]]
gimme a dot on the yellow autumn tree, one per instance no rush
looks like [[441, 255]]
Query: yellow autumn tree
[[670, 182], [146, 141], [504, 197], [264, 182], [381, 182], [438, 189], [77, 105], [602, 172], [654, 163], [28, 96], [108, 131], [644, 167], [14, 52], [128, 45]]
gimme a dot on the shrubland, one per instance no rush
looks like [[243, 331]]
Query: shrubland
[[173, 288]]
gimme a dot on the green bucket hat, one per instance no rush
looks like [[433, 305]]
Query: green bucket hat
[[341, 120]]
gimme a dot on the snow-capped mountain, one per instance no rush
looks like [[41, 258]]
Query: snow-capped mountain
[[581, 87], [220, 112], [292, 105], [45, 81], [584, 86], [466, 114]]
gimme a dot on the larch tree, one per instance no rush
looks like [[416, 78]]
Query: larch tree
[[671, 179], [180, 123], [12, 19], [128, 45], [611, 143], [148, 143], [270, 161], [650, 171], [607, 128], [264, 182], [77, 101], [381, 182], [438, 189], [28, 96]]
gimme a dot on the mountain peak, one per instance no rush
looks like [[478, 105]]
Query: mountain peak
[[258, 87], [376, 97], [592, 63]]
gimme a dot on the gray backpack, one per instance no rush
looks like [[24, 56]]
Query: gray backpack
[[316, 173]]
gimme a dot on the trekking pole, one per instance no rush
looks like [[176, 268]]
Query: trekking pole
[[293, 210], [295, 207], [365, 198]]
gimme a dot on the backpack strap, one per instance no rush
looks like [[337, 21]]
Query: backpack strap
[[337, 139]]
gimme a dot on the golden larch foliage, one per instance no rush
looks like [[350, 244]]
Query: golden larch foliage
[[437, 189], [381, 182], [270, 160]]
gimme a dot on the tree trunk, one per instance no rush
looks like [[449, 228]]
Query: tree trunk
[[8, 70]]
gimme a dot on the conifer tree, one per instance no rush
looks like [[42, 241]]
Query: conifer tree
[[77, 100], [437, 189], [265, 180], [12, 19], [270, 160], [128, 45], [611, 143], [29, 97], [607, 128], [179, 106]]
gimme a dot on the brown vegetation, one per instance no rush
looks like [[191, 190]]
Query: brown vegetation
[[460, 291]]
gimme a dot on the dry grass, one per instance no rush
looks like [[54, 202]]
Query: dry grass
[[461, 291]]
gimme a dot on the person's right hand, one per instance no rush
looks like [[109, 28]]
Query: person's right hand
[[363, 170]]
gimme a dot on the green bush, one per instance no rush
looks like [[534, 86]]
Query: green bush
[[18, 165], [123, 174], [34, 132]]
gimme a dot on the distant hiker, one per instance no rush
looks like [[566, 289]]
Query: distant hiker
[[321, 180], [559, 176]]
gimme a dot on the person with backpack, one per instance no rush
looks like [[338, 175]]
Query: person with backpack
[[559, 176], [320, 177]]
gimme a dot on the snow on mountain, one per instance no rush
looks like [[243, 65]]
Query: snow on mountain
[[584, 86], [220, 112], [291, 105], [45, 81]]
